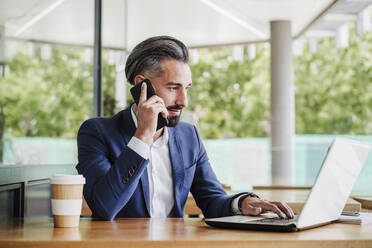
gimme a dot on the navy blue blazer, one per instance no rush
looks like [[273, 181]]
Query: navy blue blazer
[[117, 184]]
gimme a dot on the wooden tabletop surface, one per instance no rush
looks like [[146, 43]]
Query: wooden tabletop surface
[[175, 232]]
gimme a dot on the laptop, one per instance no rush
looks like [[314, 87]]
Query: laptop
[[337, 175]]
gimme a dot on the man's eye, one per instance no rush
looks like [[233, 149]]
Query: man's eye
[[173, 88]]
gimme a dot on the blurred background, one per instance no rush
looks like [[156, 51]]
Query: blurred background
[[47, 89]]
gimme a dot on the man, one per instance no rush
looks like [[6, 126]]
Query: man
[[134, 170]]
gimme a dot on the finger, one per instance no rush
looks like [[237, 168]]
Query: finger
[[155, 99], [153, 107], [163, 110], [143, 95], [158, 100], [284, 208], [158, 108], [289, 209], [267, 206], [251, 210]]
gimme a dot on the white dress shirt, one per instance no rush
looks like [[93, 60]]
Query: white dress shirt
[[159, 171]]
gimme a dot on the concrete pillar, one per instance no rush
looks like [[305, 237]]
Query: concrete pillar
[[238, 53], [363, 23], [121, 81], [251, 52], [342, 36], [282, 104], [2, 72], [2, 51]]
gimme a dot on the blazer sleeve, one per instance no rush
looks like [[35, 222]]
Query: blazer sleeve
[[109, 185], [207, 191]]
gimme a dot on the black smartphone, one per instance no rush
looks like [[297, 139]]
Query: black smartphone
[[136, 92], [350, 213]]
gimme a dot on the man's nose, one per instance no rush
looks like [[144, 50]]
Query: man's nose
[[182, 98]]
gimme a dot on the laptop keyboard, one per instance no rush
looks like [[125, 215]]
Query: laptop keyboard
[[277, 220]]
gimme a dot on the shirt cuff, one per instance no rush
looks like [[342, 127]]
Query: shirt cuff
[[235, 205], [235, 202], [140, 147]]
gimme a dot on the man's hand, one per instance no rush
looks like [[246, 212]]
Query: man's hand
[[147, 115], [257, 206]]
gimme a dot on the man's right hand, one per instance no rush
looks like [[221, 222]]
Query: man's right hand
[[147, 115]]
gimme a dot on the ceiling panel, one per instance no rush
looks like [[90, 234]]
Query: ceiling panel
[[125, 23]]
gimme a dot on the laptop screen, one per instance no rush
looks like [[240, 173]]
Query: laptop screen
[[334, 182]]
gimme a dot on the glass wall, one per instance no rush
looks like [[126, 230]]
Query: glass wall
[[46, 77], [46, 92]]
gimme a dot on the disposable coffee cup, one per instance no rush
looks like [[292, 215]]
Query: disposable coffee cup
[[67, 192]]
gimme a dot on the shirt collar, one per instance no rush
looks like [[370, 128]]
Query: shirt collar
[[134, 117]]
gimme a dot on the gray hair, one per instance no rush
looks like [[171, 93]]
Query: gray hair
[[147, 55]]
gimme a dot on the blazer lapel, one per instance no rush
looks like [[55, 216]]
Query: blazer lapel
[[126, 124], [128, 130], [146, 190], [177, 167]]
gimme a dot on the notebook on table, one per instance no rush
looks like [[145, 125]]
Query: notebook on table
[[337, 175]]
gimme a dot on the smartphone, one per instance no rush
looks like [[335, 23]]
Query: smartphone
[[136, 92], [349, 213]]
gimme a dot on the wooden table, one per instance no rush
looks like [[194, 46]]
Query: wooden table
[[39, 232], [365, 201]]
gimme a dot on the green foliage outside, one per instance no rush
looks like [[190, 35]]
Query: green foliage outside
[[231, 99], [333, 88], [51, 97]]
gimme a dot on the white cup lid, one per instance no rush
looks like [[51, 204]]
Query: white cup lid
[[67, 179]]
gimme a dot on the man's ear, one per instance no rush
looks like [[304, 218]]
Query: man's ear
[[139, 78]]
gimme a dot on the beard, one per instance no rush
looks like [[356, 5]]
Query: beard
[[173, 120]]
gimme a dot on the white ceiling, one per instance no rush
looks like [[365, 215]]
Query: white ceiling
[[125, 23]]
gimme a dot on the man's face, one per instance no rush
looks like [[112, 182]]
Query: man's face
[[172, 86]]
